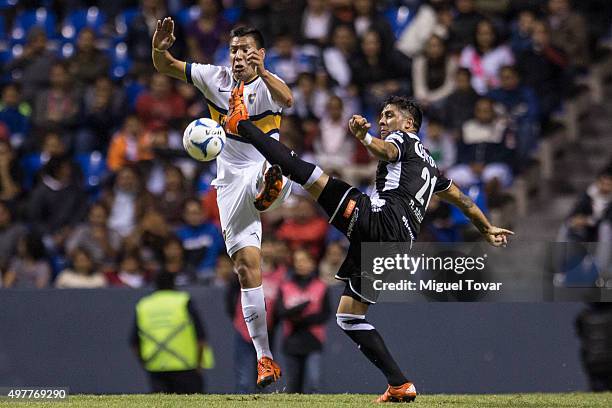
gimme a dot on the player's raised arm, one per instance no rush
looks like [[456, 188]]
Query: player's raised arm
[[494, 235], [280, 92], [163, 61], [380, 149]]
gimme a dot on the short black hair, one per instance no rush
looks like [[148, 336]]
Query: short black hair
[[164, 281], [244, 31], [408, 105]]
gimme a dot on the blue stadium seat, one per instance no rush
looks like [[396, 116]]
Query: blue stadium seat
[[188, 15], [6, 4], [120, 61], [400, 18], [77, 20], [123, 21], [40, 17], [477, 194], [93, 166], [31, 164], [2, 28]]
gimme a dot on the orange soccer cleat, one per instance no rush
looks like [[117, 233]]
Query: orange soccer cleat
[[272, 187], [267, 372], [237, 109], [400, 393]]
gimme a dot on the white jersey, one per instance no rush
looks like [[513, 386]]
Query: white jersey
[[215, 83]]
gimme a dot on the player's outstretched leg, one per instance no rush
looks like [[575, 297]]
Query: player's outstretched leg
[[372, 345], [275, 152]]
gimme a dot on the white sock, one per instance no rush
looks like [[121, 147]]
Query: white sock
[[254, 312]]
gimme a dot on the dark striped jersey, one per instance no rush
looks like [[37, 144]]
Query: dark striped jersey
[[405, 186]]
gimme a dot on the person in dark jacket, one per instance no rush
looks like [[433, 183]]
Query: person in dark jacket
[[303, 305]]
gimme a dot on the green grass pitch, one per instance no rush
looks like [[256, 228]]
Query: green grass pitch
[[572, 400]]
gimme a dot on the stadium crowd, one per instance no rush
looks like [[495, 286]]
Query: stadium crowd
[[96, 190]]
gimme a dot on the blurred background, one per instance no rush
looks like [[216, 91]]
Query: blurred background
[[96, 191]]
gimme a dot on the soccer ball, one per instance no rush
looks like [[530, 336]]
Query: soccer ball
[[204, 139]]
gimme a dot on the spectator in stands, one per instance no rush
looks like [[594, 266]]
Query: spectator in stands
[[150, 237], [127, 200], [130, 272], [464, 25], [438, 225], [303, 305], [15, 114], [104, 107], [568, 32], [378, 72], [142, 28], [11, 232], [57, 202], [163, 312], [51, 145], [542, 67], [367, 17], [433, 74], [83, 272], [440, 143], [485, 56], [94, 235], [330, 264], [29, 268], [256, 13], [589, 220], [171, 200], [201, 240], [174, 262], [207, 32], [59, 106], [303, 228], [286, 59], [459, 106], [521, 32], [337, 57], [520, 105], [433, 17], [309, 101], [316, 22], [485, 151], [33, 64], [160, 104], [10, 173], [129, 145], [87, 63], [334, 148], [224, 271]]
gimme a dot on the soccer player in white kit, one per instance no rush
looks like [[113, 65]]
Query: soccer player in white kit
[[240, 167]]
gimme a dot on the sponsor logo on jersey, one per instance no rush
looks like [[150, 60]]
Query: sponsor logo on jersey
[[349, 208], [224, 90], [407, 225], [252, 98], [351, 225]]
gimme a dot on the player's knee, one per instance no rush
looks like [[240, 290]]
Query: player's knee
[[350, 322]]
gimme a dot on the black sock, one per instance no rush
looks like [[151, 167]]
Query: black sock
[[372, 345], [277, 153]]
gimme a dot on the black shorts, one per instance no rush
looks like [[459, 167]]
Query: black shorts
[[350, 211]]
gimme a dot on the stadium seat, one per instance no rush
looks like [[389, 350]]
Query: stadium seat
[[93, 166], [24, 21], [77, 20], [7, 4], [120, 61], [477, 194], [122, 22], [399, 18]]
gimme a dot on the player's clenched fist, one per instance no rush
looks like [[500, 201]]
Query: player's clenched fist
[[359, 126], [163, 37]]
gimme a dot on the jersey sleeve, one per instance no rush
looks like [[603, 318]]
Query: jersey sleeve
[[200, 75], [401, 143], [442, 183]]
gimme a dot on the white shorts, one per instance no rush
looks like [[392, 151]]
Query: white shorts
[[240, 220]]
